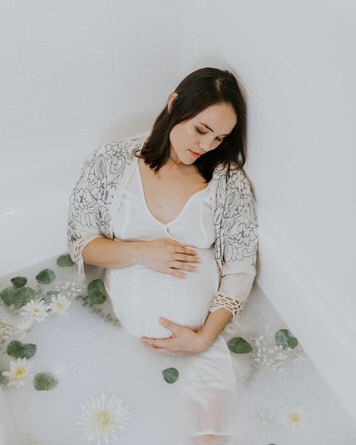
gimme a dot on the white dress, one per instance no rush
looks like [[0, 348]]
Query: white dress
[[140, 296]]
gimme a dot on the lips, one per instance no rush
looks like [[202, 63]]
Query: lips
[[197, 155]]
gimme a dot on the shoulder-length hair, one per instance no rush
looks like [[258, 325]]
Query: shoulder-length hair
[[196, 92]]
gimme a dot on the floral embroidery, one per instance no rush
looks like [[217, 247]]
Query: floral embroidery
[[235, 217]]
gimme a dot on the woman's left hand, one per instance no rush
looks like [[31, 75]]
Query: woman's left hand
[[183, 341]]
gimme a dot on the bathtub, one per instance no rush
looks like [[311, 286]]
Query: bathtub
[[33, 219]]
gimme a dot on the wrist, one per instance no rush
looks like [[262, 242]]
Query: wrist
[[135, 251], [204, 340]]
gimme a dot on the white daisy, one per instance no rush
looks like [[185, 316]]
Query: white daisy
[[100, 419], [59, 304], [35, 309], [20, 371], [294, 418]]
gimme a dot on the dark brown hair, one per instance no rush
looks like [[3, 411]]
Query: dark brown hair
[[196, 92]]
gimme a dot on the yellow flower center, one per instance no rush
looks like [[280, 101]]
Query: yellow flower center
[[104, 418], [19, 371], [294, 417]]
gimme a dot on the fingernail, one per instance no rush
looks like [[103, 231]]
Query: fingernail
[[161, 320]]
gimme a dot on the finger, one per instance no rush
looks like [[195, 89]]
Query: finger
[[155, 343], [168, 324]]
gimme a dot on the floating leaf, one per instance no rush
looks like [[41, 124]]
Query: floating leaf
[[46, 276], [64, 261], [47, 298], [170, 375], [8, 295], [239, 345], [4, 380], [16, 349], [23, 296], [45, 381], [96, 291], [285, 338], [18, 282]]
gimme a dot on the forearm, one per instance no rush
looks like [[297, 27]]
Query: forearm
[[111, 254], [214, 324]]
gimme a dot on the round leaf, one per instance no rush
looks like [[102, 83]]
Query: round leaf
[[170, 375], [285, 338], [45, 381], [23, 296], [18, 282], [97, 297], [4, 380], [16, 349], [238, 345], [96, 291], [64, 261], [46, 276], [47, 298], [8, 295]]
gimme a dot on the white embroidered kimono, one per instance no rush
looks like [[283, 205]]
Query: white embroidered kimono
[[98, 194]]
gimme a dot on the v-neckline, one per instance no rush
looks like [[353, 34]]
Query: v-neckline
[[148, 210]]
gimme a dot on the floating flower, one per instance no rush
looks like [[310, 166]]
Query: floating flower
[[59, 304], [273, 356], [26, 324], [71, 288], [20, 371], [35, 309], [264, 418], [294, 418], [7, 327], [100, 419]]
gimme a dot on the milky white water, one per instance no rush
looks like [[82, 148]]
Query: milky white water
[[89, 355]]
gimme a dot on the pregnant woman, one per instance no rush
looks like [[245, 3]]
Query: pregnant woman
[[172, 219]]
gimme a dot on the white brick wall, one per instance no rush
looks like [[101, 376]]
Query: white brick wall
[[73, 73]]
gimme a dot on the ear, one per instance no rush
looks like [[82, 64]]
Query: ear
[[171, 100]]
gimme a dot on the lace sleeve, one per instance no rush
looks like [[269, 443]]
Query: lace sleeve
[[231, 304], [84, 211], [239, 239]]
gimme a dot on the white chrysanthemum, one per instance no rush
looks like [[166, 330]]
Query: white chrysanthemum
[[35, 309], [59, 304], [20, 371], [100, 419], [294, 418]]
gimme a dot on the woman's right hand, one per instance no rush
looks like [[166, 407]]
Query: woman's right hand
[[167, 256]]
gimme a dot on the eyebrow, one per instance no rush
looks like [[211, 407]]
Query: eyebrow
[[226, 134]]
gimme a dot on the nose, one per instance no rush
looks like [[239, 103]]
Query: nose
[[203, 146]]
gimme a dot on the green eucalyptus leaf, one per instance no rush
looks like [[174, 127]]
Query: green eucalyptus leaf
[[238, 345], [18, 282], [170, 375], [64, 261], [8, 295], [16, 349], [46, 276], [4, 380], [285, 338], [45, 381], [23, 296], [96, 291], [47, 298]]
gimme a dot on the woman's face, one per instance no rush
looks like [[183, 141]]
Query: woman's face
[[202, 133]]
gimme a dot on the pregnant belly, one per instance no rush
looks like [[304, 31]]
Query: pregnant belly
[[140, 296]]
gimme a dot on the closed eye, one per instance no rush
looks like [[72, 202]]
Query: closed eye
[[200, 132]]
